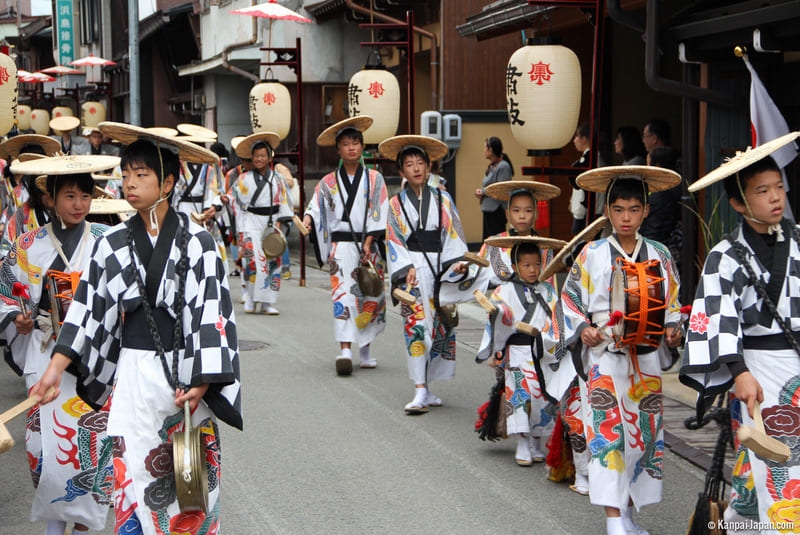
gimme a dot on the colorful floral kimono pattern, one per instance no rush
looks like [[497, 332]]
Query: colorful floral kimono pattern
[[728, 323], [500, 260], [263, 275], [357, 318], [69, 453], [143, 414], [431, 345], [527, 406], [623, 407], [24, 220]]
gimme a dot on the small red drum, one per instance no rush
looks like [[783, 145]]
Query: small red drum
[[61, 289], [637, 301]]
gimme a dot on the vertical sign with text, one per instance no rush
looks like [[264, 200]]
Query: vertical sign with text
[[64, 31]]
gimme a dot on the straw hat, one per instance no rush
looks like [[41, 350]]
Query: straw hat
[[127, 134], [541, 191], [235, 142], [657, 178], [511, 241], [195, 139], [28, 156], [110, 206], [64, 165], [103, 176], [557, 263], [244, 149], [89, 130], [742, 160], [328, 136], [391, 147], [64, 123], [11, 147], [163, 131], [198, 131]]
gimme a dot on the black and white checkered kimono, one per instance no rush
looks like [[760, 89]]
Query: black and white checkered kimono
[[108, 355], [729, 325]]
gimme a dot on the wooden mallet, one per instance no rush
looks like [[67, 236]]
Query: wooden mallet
[[484, 301], [299, 224], [526, 328], [763, 445], [404, 297], [477, 259], [6, 442]]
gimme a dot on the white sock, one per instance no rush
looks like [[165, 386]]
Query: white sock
[[76, 530], [536, 447], [615, 526], [421, 395], [347, 353], [364, 352], [627, 520], [582, 481], [55, 527]]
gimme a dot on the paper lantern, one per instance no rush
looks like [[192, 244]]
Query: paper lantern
[[40, 121], [61, 111], [92, 113], [23, 117], [8, 93], [543, 95], [375, 91], [271, 108]]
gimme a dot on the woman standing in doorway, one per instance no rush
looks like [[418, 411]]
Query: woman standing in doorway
[[500, 169]]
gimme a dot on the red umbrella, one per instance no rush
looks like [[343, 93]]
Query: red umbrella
[[61, 69], [34, 77], [271, 10], [91, 59]]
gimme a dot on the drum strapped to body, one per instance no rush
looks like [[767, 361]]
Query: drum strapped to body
[[61, 288]]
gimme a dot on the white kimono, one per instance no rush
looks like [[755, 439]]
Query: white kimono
[[261, 201], [526, 395], [623, 407], [729, 324], [436, 230], [356, 317], [68, 450]]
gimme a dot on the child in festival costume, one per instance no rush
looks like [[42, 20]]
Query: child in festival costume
[[743, 331], [347, 219], [521, 197], [68, 449], [263, 201], [522, 299], [152, 318], [623, 407], [424, 242]]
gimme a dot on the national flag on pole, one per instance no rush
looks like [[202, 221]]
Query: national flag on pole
[[767, 123]]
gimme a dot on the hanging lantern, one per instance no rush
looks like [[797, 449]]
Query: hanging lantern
[[61, 111], [92, 113], [374, 91], [271, 108], [543, 95], [23, 117], [8, 93], [40, 121]]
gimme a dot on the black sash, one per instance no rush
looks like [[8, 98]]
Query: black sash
[[196, 169], [263, 210], [352, 190]]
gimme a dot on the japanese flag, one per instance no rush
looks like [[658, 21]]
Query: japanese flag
[[767, 123]]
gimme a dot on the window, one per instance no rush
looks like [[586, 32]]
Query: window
[[90, 21]]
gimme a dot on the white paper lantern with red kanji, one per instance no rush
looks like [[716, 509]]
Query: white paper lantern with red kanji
[[543, 95], [271, 108], [40, 121], [61, 111], [23, 117], [8, 93], [374, 91], [92, 113]]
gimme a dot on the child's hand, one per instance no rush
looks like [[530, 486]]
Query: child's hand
[[193, 396], [411, 278], [307, 222], [673, 337], [591, 337], [23, 323], [748, 390], [495, 360], [460, 268]]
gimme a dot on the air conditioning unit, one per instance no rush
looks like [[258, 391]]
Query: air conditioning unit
[[451, 130], [431, 124]]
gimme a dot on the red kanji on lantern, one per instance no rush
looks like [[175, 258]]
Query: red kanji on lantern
[[540, 73], [3, 75], [92, 110], [375, 89], [269, 99]]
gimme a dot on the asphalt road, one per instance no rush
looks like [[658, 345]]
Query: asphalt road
[[324, 454]]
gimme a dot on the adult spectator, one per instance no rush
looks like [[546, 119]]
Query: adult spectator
[[665, 207], [500, 169], [628, 144], [656, 134], [579, 201]]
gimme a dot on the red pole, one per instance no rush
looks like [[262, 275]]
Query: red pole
[[300, 160]]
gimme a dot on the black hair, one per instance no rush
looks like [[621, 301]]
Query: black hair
[[56, 183], [522, 248], [767, 163], [162, 161], [632, 145], [261, 145], [32, 148], [659, 128], [522, 191], [584, 130], [34, 193], [627, 189], [410, 150], [665, 157], [496, 146], [350, 132], [219, 149]]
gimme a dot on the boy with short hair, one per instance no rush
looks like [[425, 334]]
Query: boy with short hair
[[743, 331], [522, 299], [622, 405]]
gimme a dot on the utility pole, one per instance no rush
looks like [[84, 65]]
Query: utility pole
[[133, 55]]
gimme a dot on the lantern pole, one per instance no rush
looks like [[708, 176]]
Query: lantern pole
[[291, 57]]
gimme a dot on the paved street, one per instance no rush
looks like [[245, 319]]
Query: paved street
[[338, 455]]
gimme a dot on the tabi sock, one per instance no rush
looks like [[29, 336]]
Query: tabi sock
[[347, 353], [364, 352], [630, 525], [615, 526], [55, 527]]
